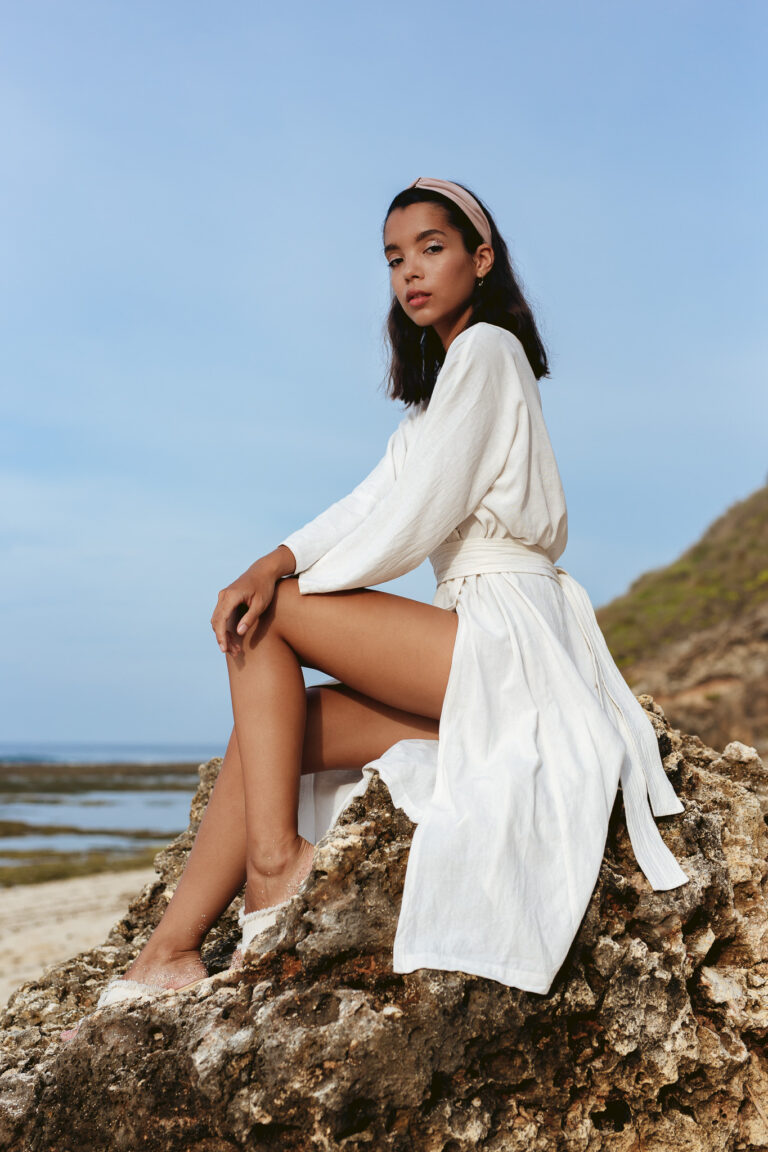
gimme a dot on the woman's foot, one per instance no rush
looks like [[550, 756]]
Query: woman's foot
[[158, 973], [167, 970]]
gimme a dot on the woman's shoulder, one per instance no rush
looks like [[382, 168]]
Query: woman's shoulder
[[484, 359], [489, 339], [499, 354]]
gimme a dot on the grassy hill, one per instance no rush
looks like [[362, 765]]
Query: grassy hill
[[724, 574]]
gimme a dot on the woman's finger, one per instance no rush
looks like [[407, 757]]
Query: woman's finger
[[228, 600], [239, 607], [248, 618], [233, 647], [218, 623]]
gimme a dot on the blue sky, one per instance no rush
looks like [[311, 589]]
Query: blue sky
[[193, 296]]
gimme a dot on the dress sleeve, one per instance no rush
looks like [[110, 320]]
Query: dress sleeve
[[474, 418], [321, 534]]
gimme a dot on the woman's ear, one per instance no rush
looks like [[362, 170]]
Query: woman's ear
[[483, 259]]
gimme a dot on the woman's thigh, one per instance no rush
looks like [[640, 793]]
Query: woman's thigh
[[392, 649], [346, 729]]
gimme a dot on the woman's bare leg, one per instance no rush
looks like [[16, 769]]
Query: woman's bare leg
[[392, 649], [213, 875], [378, 643], [344, 729], [398, 648]]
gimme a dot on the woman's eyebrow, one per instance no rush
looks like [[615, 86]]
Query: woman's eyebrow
[[421, 236]]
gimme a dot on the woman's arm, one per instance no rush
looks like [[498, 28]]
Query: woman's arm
[[281, 561], [477, 415], [243, 601], [309, 543]]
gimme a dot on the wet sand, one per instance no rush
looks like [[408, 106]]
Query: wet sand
[[43, 924]]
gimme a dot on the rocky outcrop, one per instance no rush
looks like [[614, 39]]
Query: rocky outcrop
[[652, 1036], [714, 682], [694, 634]]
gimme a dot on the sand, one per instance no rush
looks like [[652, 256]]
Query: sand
[[43, 924]]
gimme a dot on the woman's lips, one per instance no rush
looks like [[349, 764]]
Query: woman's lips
[[418, 300]]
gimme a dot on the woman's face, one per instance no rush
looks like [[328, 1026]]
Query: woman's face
[[432, 273]]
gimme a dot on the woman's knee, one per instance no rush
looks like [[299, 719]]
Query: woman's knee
[[284, 600], [271, 619]]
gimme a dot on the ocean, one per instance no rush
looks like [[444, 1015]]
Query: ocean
[[84, 753], [73, 808]]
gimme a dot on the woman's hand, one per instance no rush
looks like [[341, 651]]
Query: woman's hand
[[241, 603]]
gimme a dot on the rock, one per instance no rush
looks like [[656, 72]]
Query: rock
[[694, 633], [713, 681], [652, 1036]]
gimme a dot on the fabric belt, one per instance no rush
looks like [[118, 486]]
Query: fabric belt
[[642, 773], [473, 557]]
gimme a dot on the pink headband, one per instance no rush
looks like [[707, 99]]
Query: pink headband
[[467, 203]]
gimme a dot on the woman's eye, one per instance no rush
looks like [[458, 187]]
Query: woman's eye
[[430, 248]]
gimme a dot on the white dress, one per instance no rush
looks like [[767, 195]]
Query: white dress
[[538, 726]]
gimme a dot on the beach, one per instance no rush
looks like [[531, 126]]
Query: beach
[[43, 924], [79, 829]]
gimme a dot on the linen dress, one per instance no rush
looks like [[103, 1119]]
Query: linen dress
[[538, 727]]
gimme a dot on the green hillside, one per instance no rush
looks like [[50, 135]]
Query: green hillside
[[721, 576]]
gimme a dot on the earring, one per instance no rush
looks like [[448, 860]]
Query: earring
[[479, 283]]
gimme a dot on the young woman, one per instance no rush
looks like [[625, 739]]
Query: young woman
[[536, 725]]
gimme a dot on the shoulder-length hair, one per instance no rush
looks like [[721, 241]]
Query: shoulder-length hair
[[417, 353]]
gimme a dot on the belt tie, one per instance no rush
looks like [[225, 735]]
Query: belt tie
[[643, 778]]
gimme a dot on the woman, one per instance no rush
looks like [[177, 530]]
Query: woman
[[536, 725]]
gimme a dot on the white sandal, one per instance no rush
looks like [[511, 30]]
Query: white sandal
[[119, 990], [253, 924]]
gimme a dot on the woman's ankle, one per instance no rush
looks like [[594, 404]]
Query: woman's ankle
[[276, 859], [270, 882]]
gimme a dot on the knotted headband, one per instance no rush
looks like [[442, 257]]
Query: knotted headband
[[467, 203]]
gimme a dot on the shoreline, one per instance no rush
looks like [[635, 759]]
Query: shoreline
[[56, 904], [58, 868], [48, 831], [14, 773]]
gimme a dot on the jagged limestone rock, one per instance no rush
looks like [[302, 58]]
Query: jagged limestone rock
[[652, 1036]]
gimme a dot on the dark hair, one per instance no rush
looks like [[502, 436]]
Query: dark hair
[[417, 353]]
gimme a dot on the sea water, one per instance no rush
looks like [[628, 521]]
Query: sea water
[[72, 752], [77, 800]]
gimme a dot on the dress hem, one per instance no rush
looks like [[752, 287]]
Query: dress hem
[[523, 979]]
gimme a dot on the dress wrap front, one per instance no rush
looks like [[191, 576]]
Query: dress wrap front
[[538, 727]]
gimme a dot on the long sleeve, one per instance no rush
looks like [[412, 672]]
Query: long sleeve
[[475, 418], [309, 543]]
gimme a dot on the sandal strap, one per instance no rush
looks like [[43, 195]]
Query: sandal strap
[[119, 989], [252, 923]]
